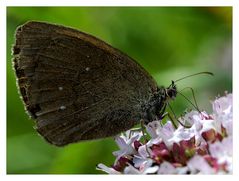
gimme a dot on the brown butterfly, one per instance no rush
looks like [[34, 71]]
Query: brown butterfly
[[77, 87]]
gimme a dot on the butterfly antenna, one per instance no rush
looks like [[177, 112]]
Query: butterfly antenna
[[208, 73]]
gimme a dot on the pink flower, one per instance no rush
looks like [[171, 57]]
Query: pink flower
[[126, 143], [204, 148], [198, 165]]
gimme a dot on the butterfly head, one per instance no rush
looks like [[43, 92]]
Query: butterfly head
[[171, 91]]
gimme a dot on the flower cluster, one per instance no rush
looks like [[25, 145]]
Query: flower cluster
[[204, 148]]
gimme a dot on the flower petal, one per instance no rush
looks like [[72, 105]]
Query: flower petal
[[106, 169]]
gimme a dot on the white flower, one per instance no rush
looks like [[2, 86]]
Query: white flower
[[199, 165], [147, 169], [152, 129], [204, 148], [223, 152], [142, 158], [222, 108], [223, 105], [167, 168], [106, 169], [125, 143]]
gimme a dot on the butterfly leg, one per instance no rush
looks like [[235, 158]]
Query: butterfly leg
[[174, 117], [170, 117], [142, 123], [131, 131], [142, 128]]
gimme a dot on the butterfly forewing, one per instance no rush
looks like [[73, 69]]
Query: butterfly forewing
[[76, 86]]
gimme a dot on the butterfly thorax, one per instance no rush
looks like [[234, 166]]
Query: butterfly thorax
[[156, 106]]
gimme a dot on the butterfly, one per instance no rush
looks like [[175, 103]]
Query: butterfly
[[77, 87]]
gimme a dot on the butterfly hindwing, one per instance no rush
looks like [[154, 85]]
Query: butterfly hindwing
[[76, 86]]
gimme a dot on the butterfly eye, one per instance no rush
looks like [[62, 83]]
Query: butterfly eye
[[172, 93]]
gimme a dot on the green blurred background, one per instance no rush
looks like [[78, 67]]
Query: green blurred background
[[170, 42]]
